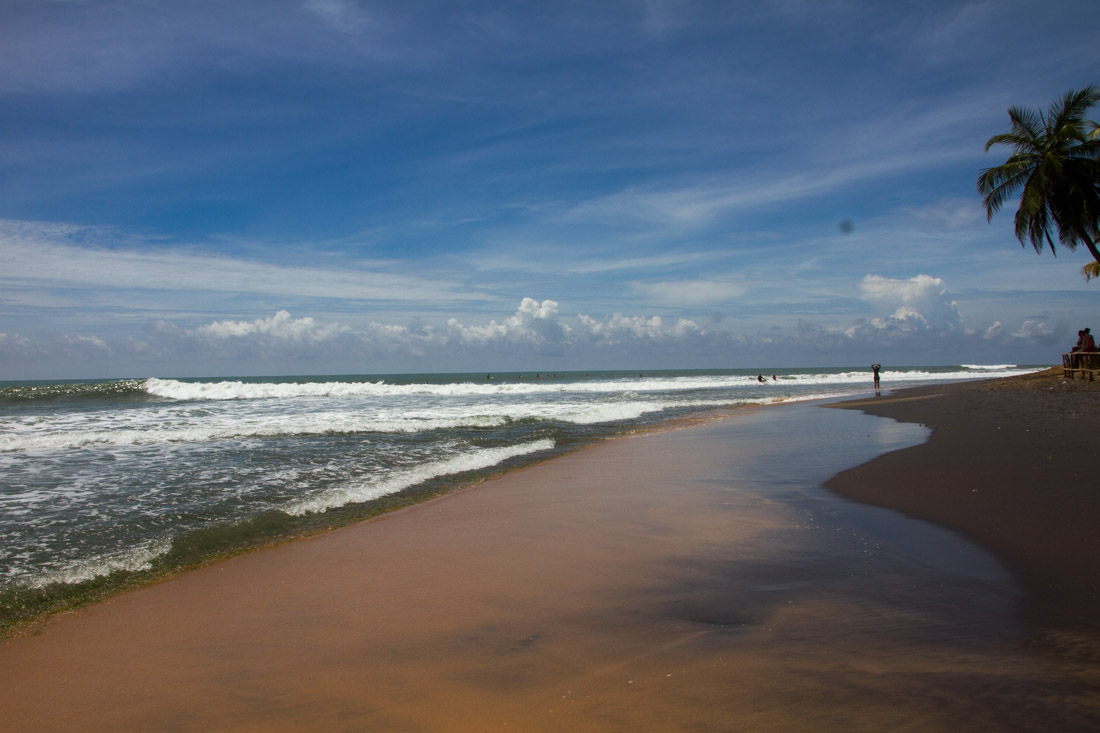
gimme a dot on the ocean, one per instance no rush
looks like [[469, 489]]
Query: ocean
[[109, 483]]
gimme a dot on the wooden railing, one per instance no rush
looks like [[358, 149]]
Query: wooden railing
[[1085, 362]]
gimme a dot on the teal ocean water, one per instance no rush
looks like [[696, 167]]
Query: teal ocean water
[[115, 479]]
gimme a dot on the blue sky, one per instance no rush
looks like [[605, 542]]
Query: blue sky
[[239, 187]]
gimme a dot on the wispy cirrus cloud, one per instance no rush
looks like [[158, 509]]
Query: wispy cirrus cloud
[[63, 256], [345, 16], [690, 292], [113, 46]]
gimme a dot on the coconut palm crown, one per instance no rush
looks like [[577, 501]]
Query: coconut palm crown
[[1055, 167]]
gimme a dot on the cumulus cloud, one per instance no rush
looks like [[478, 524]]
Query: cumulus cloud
[[11, 343], [919, 303], [281, 327], [535, 329], [278, 336], [1038, 331], [620, 329], [921, 326], [540, 327], [535, 324], [92, 341]]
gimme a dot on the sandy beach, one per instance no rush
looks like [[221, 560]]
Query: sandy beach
[[701, 578], [1013, 464]]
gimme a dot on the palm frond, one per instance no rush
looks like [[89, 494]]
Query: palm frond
[[1055, 170], [1071, 109], [1087, 150], [1025, 132], [1001, 183]]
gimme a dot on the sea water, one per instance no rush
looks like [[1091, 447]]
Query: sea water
[[133, 476]]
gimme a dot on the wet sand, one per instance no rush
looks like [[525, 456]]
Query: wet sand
[[1011, 463], [695, 579]]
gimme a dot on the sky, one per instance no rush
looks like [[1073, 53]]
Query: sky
[[277, 187]]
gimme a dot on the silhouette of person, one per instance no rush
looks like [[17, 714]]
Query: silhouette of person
[[1088, 345], [874, 369]]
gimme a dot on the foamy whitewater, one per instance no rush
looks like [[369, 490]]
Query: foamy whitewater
[[105, 477]]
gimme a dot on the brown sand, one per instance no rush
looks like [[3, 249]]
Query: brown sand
[[1013, 464], [635, 585]]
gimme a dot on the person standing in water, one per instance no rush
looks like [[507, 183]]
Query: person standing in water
[[874, 370]]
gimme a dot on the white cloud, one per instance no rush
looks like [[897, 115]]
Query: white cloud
[[93, 341], [536, 336], [919, 303], [620, 329], [692, 205], [536, 327], [945, 32], [95, 47], [342, 15], [949, 214], [13, 342], [690, 292], [280, 327], [929, 138], [534, 324], [527, 256], [995, 331], [1038, 331], [50, 255]]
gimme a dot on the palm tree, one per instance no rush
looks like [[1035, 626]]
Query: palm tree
[[1055, 167]]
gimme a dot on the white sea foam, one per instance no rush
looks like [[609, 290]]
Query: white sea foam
[[243, 429], [237, 390], [172, 389], [862, 377], [134, 559], [359, 408], [367, 490]]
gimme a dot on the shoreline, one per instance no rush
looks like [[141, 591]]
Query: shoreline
[[63, 579], [1012, 464], [102, 588], [696, 577]]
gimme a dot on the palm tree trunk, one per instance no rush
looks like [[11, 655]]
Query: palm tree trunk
[[1083, 233], [1091, 245], [1092, 269], [1092, 249]]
